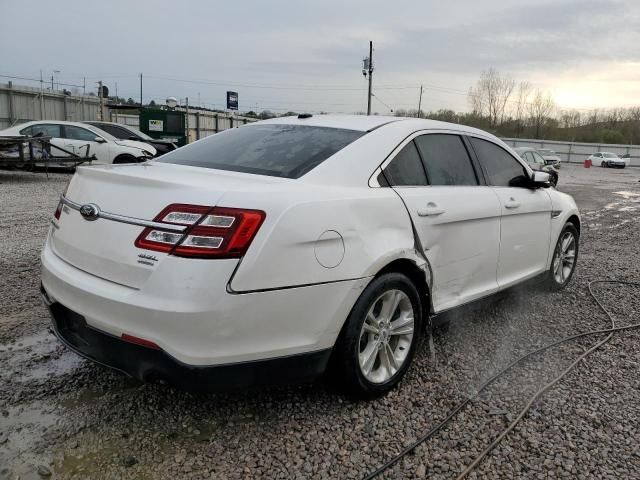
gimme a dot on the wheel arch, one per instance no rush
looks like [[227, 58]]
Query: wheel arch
[[420, 276], [122, 156], [573, 219]]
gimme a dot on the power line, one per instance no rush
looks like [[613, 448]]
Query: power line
[[38, 80]]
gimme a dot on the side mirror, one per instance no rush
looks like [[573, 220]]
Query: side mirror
[[133, 138], [99, 140], [540, 179]]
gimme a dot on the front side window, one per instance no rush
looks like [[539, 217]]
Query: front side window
[[277, 150], [502, 169], [117, 132], [406, 170], [446, 160], [76, 133]]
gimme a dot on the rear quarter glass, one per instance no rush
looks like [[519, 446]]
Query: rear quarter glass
[[287, 151]]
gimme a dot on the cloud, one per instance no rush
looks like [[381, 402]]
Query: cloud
[[288, 42]]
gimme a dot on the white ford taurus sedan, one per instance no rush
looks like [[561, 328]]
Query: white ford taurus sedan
[[271, 252]]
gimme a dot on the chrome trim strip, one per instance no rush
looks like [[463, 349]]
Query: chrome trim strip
[[124, 219]]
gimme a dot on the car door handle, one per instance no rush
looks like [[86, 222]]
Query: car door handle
[[512, 203], [431, 210]]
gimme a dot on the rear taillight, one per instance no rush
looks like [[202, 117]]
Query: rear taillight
[[58, 211], [211, 232], [60, 206]]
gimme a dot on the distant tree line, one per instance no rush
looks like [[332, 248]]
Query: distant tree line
[[509, 109]]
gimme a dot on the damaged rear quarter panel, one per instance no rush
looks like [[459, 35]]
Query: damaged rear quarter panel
[[373, 223]]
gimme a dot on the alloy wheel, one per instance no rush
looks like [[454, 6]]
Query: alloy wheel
[[386, 336], [564, 259]]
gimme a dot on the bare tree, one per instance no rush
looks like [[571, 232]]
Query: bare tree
[[490, 96], [570, 118], [520, 106], [540, 108]]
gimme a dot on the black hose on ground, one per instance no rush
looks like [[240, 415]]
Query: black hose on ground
[[426, 436]]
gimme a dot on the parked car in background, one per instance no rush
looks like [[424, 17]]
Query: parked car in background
[[608, 159], [537, 162], [127, 132], [266, 253], [550, 157], [78, 138]]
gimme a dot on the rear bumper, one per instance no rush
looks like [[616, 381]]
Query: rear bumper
[[189, 314], [149, 365]]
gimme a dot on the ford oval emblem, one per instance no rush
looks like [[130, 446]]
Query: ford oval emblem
[[90, 212]]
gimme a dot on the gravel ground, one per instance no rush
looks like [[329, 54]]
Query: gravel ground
[[63, 417]]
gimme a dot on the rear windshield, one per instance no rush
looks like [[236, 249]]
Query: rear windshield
[[287, 151]]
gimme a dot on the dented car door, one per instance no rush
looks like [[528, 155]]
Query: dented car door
[[455, 216]]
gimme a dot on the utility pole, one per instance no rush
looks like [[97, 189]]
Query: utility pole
[[41, 97], [52, 82], [100, 97], [84, 85], [370, 77], [141, 89], [420, 102], [186, 100]]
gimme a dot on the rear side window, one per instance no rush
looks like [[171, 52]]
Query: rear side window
[[502, 169], [406, 170], [446, 160], [287, 151], [46, 130]]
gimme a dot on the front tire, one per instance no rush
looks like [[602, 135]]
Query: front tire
[[379, 338], [603, 164], [565, 258]]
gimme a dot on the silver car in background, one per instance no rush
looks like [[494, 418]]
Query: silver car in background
[[537, 162], [550, 157]]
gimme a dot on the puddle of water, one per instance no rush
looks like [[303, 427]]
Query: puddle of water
[[33, 357], [21, 431], [65, 363], [41, 341], [627, 195]]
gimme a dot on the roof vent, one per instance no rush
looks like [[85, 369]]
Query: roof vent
[[305, 115]]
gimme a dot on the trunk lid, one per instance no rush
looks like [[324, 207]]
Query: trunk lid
[[105, 248]]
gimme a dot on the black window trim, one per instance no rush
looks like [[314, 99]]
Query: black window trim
[[405, 145], [522, 162], [424, 164], [475, 164]]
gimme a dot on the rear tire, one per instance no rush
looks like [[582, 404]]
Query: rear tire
[[379, 338], [565, 258]]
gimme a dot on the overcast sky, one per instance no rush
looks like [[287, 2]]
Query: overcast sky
[[307, 55]]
